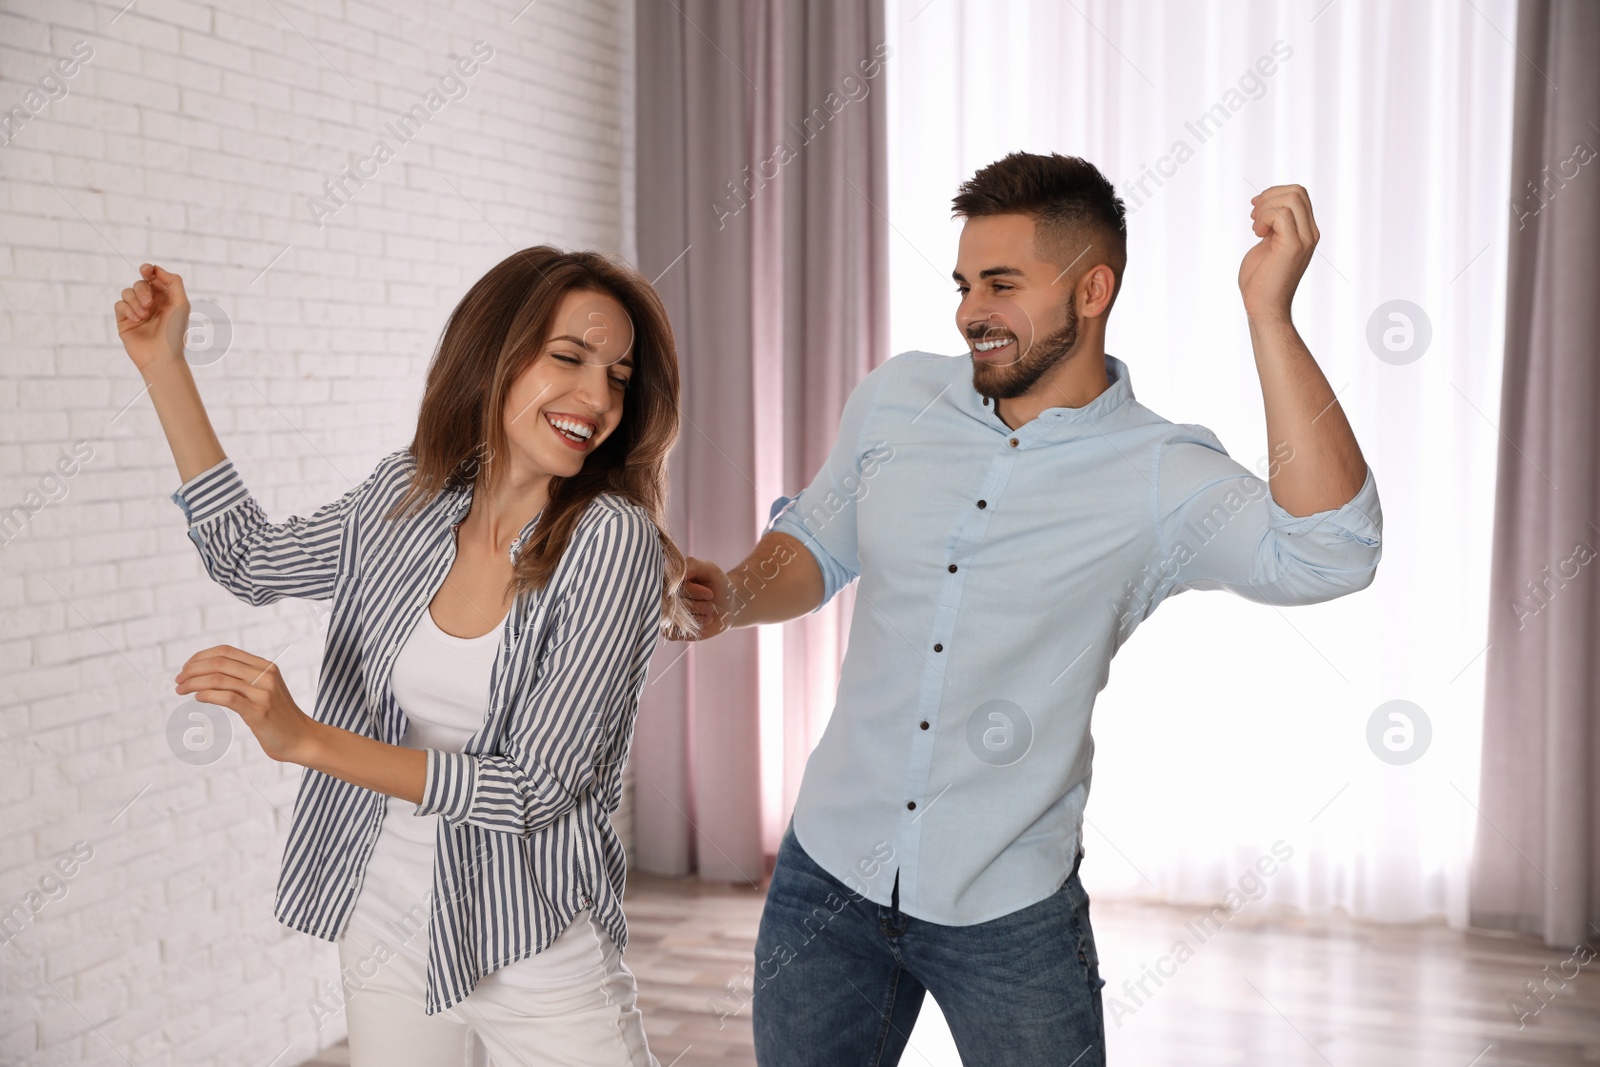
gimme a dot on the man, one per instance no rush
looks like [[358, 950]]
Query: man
[[1012, 517]]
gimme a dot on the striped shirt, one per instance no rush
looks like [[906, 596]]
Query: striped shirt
[[524, 839]]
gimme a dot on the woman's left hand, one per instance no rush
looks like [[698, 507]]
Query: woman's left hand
[[252, 687]]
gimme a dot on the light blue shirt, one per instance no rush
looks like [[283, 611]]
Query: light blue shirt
[[1000, 570]]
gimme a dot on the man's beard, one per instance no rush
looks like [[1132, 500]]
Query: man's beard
[[1015, 379]]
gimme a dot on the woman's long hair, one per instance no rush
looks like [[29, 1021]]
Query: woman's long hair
[[494, 333]]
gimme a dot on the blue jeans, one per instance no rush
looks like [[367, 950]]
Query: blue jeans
[[839, 980]]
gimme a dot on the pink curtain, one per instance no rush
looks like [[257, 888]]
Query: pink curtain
[[1536, 867], [761, 213]]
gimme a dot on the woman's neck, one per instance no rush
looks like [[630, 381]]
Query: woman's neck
[[499, 512]]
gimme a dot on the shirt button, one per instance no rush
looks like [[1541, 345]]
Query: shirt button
[[911, 805], [952, 568], [1013, 442], [983, 503], [938, 648], [924, 724]]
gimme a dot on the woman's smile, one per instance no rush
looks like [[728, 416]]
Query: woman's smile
[[574, 431]]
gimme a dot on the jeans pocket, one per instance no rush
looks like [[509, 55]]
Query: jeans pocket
[[1083, 932]]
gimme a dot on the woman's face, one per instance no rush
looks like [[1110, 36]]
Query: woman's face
[[569, 399]]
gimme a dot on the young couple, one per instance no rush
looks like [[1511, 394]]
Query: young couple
[[499, 585]]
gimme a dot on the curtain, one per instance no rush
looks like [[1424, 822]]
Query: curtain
[[762, 191], [1537, 865], [1228, 727]]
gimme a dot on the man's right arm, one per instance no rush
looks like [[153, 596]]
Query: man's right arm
[[778, 581], [808, 549]]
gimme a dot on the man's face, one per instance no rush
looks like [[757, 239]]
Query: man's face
[[1017, 313]]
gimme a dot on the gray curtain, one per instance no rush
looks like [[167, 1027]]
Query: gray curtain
[[761, 192], [1536, 865]]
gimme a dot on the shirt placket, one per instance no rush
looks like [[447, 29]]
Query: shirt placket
[[922, 792]]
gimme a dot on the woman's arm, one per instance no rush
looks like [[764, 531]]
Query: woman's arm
[[152, 319], [255, 560], [260, 561], [583, 693], [253, 687]]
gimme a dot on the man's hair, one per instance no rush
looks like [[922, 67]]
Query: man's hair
[[1071, 203]]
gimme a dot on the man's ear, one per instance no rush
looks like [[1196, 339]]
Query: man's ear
[[1095, 290]]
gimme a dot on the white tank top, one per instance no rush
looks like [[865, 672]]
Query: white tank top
[[441, 682]]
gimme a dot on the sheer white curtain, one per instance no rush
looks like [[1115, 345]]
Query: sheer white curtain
[[1229, 726]]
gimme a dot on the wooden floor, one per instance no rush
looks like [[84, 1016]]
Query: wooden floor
[[1264, 989]]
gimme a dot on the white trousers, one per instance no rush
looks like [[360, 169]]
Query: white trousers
[[572, 1004]]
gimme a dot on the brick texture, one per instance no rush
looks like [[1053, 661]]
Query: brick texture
[[135, 888]]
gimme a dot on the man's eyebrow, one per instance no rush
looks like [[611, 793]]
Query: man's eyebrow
[[992, 272], [625, 361]]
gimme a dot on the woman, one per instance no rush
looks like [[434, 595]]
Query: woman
[[497, 591]]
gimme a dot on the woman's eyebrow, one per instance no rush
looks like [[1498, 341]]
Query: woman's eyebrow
[[625, 361]]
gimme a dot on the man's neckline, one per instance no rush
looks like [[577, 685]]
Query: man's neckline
[[1118, 391]]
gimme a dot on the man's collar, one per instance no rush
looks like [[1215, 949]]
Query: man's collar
[[1118, 391]]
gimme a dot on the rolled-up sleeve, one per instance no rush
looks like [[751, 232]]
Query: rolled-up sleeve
[[1220, 528], [823, 516], [256, 560], [585, 690]]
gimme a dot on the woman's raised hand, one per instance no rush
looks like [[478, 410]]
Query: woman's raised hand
[[153, 317]]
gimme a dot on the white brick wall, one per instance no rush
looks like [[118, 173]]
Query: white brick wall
[[193, 137]]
